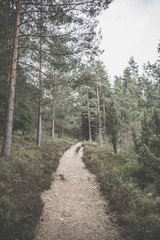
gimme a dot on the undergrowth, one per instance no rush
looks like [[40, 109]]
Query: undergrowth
[[22, 179], [137, 207]]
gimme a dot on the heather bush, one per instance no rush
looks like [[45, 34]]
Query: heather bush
[[22, 180], [136, 203]]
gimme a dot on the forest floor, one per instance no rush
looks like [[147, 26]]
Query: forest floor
[[74, 208]]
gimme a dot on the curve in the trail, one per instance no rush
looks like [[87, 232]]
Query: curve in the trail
[[74, 208]]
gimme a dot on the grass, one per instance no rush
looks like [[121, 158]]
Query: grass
[[137, 208], [22, 179]]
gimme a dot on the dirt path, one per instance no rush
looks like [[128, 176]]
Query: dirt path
[[74, 208]]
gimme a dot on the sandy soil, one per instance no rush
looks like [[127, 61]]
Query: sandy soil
[[74, 208]]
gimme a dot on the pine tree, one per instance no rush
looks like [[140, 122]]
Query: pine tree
[[112, 123], [127, 97], [61, 19], [6, 149], [148, 142]]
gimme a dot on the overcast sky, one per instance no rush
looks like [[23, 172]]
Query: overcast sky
[[130, 28]]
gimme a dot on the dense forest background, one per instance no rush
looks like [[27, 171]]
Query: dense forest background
[[52, 83], [62, 87]]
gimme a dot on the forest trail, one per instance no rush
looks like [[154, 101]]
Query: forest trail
[[74, 208]]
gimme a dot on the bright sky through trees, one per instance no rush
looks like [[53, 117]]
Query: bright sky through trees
[[130, 28]]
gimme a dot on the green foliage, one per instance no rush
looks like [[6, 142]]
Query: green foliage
[[112, 123], [144, 216], [147, 146], [137, 210], [127, 95], [22, 117], [24, 107], [21, 183], [108, 168], [93, 88], [3, 97]]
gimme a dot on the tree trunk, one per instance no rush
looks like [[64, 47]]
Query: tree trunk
[[99, 116], [39, 129], [6, 149], [115, 147], [89, 118], [104, 113], [114, 142], [53, 113], [62, 132]]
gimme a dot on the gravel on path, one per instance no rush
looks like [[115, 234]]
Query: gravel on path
[[74, 208]]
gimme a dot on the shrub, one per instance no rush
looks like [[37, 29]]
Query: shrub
[[21, 183], [130, 194]]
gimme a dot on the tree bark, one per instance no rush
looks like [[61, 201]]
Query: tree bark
[[39, 129], [89, 118], [7, 143], [104, 112], [53, 113], [99, 116], [115, 147]]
